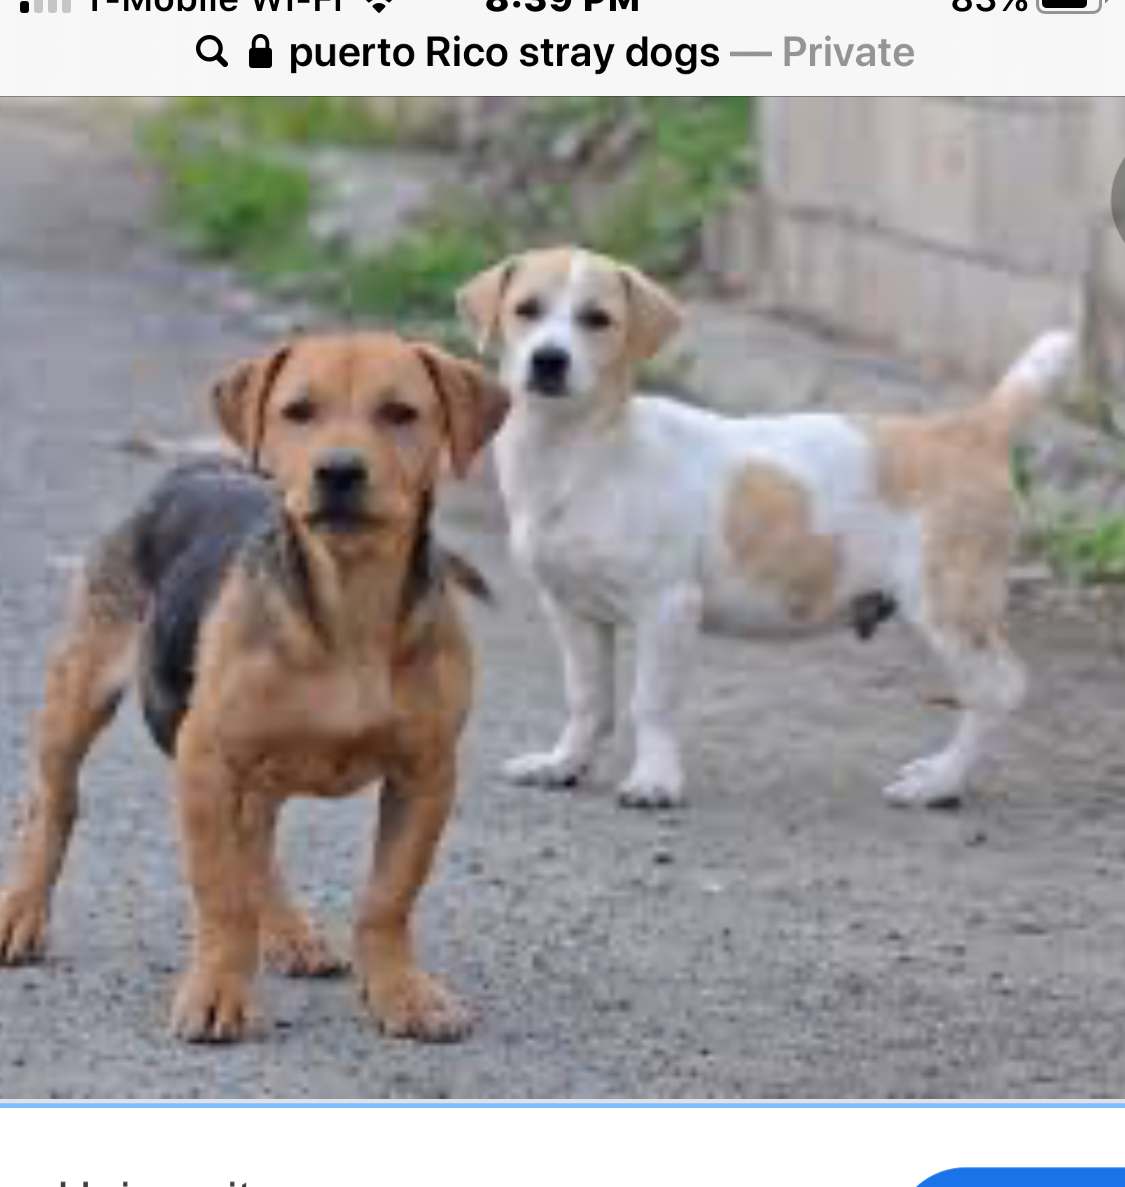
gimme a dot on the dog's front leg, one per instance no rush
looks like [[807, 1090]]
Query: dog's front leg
[[587, 655], [667, 633], [405, 1001], [290, 943], [227, 850]]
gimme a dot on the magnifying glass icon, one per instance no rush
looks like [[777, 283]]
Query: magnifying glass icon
[[217, 56]]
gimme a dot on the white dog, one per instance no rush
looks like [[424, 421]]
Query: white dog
[[646, 512]]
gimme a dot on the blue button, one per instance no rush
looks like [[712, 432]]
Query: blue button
[[1036, 1176]]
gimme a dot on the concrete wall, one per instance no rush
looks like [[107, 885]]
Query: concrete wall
[[948, 231]]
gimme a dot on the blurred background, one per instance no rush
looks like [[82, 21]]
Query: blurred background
[[839, 252]]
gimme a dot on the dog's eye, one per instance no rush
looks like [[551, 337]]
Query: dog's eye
[[300, 412], [595, 319], [397, 415], [530, 309]]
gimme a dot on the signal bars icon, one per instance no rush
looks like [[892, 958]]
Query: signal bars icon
[[45, 6]]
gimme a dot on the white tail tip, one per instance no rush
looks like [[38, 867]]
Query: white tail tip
[[1047, 363]]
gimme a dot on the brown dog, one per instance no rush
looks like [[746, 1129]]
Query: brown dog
[[291, 635]]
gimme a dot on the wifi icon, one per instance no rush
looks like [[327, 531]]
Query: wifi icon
[[378, 5]]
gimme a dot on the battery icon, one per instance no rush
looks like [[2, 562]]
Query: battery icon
[[1070, 5]]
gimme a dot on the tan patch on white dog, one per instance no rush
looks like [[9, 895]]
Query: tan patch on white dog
[[953, 471], [919, 461], [769, 527]]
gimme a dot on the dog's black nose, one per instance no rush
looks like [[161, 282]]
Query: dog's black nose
[[550, 368], [341, 472]]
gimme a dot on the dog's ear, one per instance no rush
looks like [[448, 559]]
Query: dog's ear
[[473, 402], [240, 398], [479, 302], [655, 315]]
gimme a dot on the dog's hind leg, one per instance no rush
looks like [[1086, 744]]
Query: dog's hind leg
[[290, 944], [989, 682], [86, 679], [961, 614]]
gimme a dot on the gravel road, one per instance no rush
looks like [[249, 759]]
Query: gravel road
[[787, 935]]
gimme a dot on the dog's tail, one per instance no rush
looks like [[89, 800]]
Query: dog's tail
[[1037, 375]]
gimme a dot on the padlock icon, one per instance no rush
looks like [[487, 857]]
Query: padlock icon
[[261, 56]]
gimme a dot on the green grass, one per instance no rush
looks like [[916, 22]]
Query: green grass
[[230, 202], [240, 204], [236, 190], [691, 155], [697, 152], [1085, 551], [420, 272], [304, 122], [1091, 554], [1022, 477]]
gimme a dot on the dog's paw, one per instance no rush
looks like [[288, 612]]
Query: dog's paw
[[553, 770], [300, 951], [656, 781], [23, 928], [211, 1008], [413, 1005], [652, 790], [930, 782]]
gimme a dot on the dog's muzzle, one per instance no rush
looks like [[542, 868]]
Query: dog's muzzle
[[550, 371], [341, 481]]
